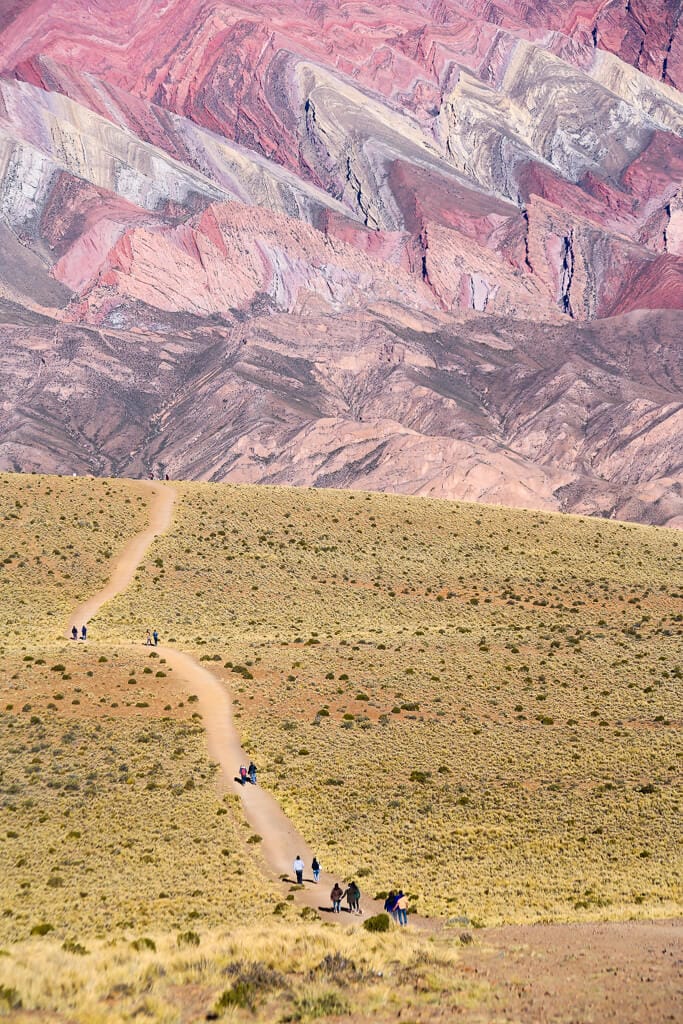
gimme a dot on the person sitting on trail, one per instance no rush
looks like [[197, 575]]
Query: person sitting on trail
[[252, 773], [299, 866], [401, 908], [336, 896], [148, 639], [84, 632], [390, 904], [315, 868], [353, 898], [155, 637], [74, 633]]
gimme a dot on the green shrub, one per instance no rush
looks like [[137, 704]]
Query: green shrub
[[326, 1005], [188, 939], [378, 923], [42, 929], [10, 997], [69, 946], [241, 994], [144, 943]]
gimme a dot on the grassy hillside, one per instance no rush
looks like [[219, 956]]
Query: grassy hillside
[[110, 819], [480, 704], [59, 538]]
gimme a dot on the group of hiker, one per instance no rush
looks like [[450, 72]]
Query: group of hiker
[[396, 906], [396, 903], [152, 638], [84, 633], [248, 774], [299, 868], [351, 894]]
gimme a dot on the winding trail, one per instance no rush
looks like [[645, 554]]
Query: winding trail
[[280, 841], [528, 964], [125, 566]]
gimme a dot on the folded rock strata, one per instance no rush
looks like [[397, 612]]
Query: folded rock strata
[[432, 246]]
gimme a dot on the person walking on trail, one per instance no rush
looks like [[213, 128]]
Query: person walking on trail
[[390, 904], [401, 908], [315, 868], [155, 637], [252, 773], [299, 869], [74, 633], [84, 632], [148, 639], [336, 896], [353, 898], [243, 774]]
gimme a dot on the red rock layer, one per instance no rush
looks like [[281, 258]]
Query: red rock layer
[[208, 162]]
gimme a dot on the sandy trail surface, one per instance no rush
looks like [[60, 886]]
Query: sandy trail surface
[[162, 500], [629, 972]]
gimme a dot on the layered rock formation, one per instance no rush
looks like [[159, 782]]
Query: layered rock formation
[[434, 247]]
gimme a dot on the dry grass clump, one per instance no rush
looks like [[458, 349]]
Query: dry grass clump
[[60, 536], [487, 700], [110, 818], [266, 972]]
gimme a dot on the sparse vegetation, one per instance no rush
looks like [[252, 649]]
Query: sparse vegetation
[[486, 700], [113, 813], [485, 735]]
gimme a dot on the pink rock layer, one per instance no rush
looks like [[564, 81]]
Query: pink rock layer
[[195, 178]]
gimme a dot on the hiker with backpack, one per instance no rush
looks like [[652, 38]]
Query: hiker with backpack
[[336, 896], [243, 774]]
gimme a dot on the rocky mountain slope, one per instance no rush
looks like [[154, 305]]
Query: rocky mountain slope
[[431, 247]]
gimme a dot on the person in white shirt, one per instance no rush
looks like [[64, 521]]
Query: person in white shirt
[[299, 869]]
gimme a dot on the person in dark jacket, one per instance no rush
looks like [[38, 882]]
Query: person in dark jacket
[[315, 868], [336, 896], [353, 898], [390, 904]]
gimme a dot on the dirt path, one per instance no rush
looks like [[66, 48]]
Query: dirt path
[[629, 972], [162, 500], [281, 842]]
